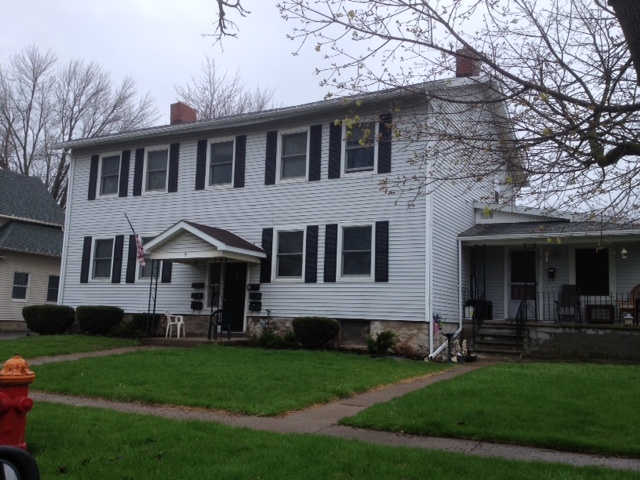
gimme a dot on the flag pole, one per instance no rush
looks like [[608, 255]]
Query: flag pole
[[129, 221]]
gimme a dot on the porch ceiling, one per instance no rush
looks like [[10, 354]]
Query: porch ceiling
[[514, 233], [187, 242]]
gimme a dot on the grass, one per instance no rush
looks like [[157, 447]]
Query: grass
[[46, 345], [575, 407], [71, 443], [242, 380]]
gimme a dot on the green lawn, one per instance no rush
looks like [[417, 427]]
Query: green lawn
[[45, 345], [84, 443], [243, 380], [577, 407]]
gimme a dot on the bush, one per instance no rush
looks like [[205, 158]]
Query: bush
[[98, 319], [380, 345], [315, 332], [272, 340], [136, 327], [48, 319]]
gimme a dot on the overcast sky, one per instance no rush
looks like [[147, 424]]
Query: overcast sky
[[160, 43]]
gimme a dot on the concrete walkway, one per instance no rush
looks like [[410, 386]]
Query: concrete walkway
[[323, 419]]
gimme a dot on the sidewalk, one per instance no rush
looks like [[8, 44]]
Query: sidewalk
[[323, 420]]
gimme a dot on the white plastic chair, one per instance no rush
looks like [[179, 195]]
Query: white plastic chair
[[172, 320]]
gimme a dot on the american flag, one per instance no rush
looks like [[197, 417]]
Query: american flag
[[139, 250]]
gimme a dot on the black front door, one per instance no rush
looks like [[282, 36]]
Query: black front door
[[235, 288]]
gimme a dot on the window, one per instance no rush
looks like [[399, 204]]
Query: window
[[156, 174], [52, 288], [290, 257], [356, 251], [293, 155], [20, 286], [102, 257], [221, 163], [145, 272], [592, 271], [109, 175], [360, 148]]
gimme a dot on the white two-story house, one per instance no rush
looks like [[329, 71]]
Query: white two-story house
[[272, 216]]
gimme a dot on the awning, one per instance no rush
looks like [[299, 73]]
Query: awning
[[186, 242]]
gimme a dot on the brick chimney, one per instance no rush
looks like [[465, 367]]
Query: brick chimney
[[182, 113], [466, 65]]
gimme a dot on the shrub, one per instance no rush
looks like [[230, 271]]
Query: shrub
[[407, 351], [315, 332], [48, 319], [136, 327], [380, 345], [270, 339], [98, 319]]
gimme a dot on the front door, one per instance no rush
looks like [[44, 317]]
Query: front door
[[234, 293], [522, 298]]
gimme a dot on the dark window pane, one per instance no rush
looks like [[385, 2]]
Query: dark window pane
[[221, 163], [290, 242], [294, 155], [20, 284], [356, 251], [52, 288], [290, 257], [523, 267], [221, 174], [357, 238], [360, 148], [356, 263], [110, 175], [157, 170], [102, 259], [592, 271]]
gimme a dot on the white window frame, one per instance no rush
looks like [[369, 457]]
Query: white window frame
[[274, 255], [145, 178], [355, 278], [93, 259], [27, 287], [233, 162], [279, 169], [102, 157], [374, 139], [48, 288]]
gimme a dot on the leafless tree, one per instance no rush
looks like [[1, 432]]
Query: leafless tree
[[562, 67], [41, 106], [213, 95], [225, 27]]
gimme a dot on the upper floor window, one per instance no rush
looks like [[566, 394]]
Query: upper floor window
[[356, 251], [102, 258], [52, 288], [221, 163], [20, 289], [109, 174], [293, 155], [290, 254], [360, 147], [156, 170]]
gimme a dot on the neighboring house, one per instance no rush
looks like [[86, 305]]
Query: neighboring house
[[272, 216], [30, 247]]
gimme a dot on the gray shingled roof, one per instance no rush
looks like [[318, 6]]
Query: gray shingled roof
[[543, 229], [31, 238], [27, 197], [226, 237]]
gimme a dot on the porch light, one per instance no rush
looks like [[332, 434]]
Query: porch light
[[624, 252]]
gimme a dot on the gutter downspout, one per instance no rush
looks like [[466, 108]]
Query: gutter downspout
[[65, 233]]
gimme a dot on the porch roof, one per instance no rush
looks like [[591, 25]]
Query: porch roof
[[188, 241], [509, 233]]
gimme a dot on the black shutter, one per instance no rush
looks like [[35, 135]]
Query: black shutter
[[384, 144], [270, 158], [167, 267], [335, 150], [201, 164], [241, 153], [116, 269], [174, 160], [315, 152], [138, 172], [311, 265], [330, 252], [382, 252], [124, 173], [265, 263], [86, 260], [131, 260], [93, 176]]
